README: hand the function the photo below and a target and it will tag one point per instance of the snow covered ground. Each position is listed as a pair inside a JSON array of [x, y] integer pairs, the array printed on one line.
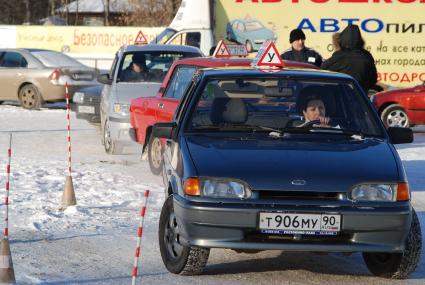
[[94, 242]]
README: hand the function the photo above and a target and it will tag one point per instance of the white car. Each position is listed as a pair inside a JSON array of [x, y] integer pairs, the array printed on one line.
[[122, 85]]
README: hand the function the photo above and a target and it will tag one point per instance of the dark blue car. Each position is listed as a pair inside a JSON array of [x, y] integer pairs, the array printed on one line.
[[296, 160]]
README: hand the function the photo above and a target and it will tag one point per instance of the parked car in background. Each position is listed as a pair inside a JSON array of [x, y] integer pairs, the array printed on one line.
[[249, 166], [119, 88], [146, 111], [34, 76], [401, 107], [86, 103], [249, 32]]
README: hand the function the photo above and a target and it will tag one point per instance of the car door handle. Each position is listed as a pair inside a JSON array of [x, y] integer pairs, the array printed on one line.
[[161, 105]]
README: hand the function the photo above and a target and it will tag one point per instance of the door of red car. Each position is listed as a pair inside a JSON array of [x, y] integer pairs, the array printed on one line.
[[168, 103], [419, 104]]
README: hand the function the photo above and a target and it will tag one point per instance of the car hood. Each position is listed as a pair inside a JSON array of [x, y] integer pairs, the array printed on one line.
[[267, 164], [129, 91]]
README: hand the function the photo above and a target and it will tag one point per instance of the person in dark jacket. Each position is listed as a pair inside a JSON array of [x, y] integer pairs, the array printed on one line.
[[353, 59], [299, 52]]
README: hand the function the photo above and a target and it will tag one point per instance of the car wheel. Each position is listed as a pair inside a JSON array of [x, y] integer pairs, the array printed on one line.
[[249, 46], [177, 258], [395, 116], [155, 155], [111, 146], [398, 265], [30, 97]]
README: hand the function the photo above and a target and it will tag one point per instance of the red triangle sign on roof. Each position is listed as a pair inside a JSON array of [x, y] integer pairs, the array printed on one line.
[[140, 39], [270, 57], [221, 50]]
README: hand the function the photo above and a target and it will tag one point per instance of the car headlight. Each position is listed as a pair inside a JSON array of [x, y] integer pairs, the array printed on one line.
[[380, 192], [122, 109], [217, 188], [78, 97]]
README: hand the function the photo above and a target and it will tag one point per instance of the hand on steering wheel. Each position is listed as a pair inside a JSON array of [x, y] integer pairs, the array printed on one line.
[[322, 122]]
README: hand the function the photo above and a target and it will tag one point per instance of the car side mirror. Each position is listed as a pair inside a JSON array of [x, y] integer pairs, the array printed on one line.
[[104, 79], [164, 130], [400, 135]]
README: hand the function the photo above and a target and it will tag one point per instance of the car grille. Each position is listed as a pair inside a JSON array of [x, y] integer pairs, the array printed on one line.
[[91, 99], [274, 238], [293, 195]]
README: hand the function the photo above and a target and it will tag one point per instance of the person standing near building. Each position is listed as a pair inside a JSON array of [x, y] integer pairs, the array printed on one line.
[[299, 52], [353, 59]]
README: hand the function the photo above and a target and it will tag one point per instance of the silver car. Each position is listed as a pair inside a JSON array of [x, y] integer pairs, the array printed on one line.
[[33, 76], [137, 71]]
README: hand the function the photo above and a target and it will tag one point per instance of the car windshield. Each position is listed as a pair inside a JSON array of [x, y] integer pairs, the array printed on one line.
[[282, 106], [164, 36], [56, 59], [148, 66], [252, 26]]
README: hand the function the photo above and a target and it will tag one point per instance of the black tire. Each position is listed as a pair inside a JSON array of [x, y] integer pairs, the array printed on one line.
[[249, 47], [155, 155], [177, 258], [111, 146], [29, 97], [395, 116], [398, 265]]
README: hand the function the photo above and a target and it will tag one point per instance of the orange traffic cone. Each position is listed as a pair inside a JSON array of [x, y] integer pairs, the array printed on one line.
[[7, 275], [68, 198]]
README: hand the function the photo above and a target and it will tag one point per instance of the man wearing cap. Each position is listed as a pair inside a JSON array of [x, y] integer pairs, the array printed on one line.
[[299, 52], [137, 70]]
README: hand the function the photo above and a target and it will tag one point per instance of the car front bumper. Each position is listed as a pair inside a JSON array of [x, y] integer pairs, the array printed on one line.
[[235, 226], [120, 130]]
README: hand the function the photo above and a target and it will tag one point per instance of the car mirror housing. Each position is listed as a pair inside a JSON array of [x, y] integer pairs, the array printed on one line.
[[164, 130], [400, 135], [104, 79]]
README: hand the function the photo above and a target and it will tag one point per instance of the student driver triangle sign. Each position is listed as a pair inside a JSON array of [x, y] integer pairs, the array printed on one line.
[[140, 39], [221, 50], [270, 57]]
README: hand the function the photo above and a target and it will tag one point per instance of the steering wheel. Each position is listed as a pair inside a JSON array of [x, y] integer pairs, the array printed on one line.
[[311, 123]]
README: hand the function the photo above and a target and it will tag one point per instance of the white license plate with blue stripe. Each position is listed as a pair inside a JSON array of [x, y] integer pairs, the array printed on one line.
[[293, 223]]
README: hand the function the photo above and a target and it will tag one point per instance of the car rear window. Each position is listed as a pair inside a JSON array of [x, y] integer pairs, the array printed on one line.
[[56, 59]]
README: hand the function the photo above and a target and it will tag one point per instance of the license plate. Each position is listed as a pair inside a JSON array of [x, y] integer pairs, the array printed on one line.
[[292, 223], [86, 109]]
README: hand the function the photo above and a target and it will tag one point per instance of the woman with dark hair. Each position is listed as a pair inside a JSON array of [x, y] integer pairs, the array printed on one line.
[[353, 59], [313, 108]]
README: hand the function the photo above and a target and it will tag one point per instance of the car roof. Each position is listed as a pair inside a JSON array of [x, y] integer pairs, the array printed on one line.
[[156, 47], [286, 71]]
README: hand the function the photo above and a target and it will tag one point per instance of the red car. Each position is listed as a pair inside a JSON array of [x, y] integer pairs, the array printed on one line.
[[146, 111], [401, 107]]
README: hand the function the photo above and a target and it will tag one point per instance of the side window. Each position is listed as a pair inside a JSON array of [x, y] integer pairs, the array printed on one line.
[[179, 39], [113, 67], [193, 39], [181, 79], [13, 60]]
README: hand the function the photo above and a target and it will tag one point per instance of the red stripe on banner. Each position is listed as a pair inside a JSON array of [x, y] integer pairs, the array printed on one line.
[[7, 185], [8, 168], [140, 232], [134, 271], [6, 231], [137, 251], [147, 193], [143, 211]]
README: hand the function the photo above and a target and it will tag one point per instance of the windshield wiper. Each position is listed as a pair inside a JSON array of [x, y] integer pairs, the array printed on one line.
[[355, 134]]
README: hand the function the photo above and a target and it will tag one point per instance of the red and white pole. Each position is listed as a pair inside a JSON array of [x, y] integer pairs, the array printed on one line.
[[68, 198], [139, 237], [9, 153], [69, 128]]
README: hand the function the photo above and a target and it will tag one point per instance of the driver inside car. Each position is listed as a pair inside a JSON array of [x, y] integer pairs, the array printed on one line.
[[313, 109]]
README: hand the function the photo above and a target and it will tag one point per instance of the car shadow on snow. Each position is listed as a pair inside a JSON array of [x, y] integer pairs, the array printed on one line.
[[415, 170]]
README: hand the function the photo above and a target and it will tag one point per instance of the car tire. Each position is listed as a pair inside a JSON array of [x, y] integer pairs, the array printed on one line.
[[398, 265], [29, 97], [111, 146], [177, 258], [155, 155], [249, 47], [395, 116]]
